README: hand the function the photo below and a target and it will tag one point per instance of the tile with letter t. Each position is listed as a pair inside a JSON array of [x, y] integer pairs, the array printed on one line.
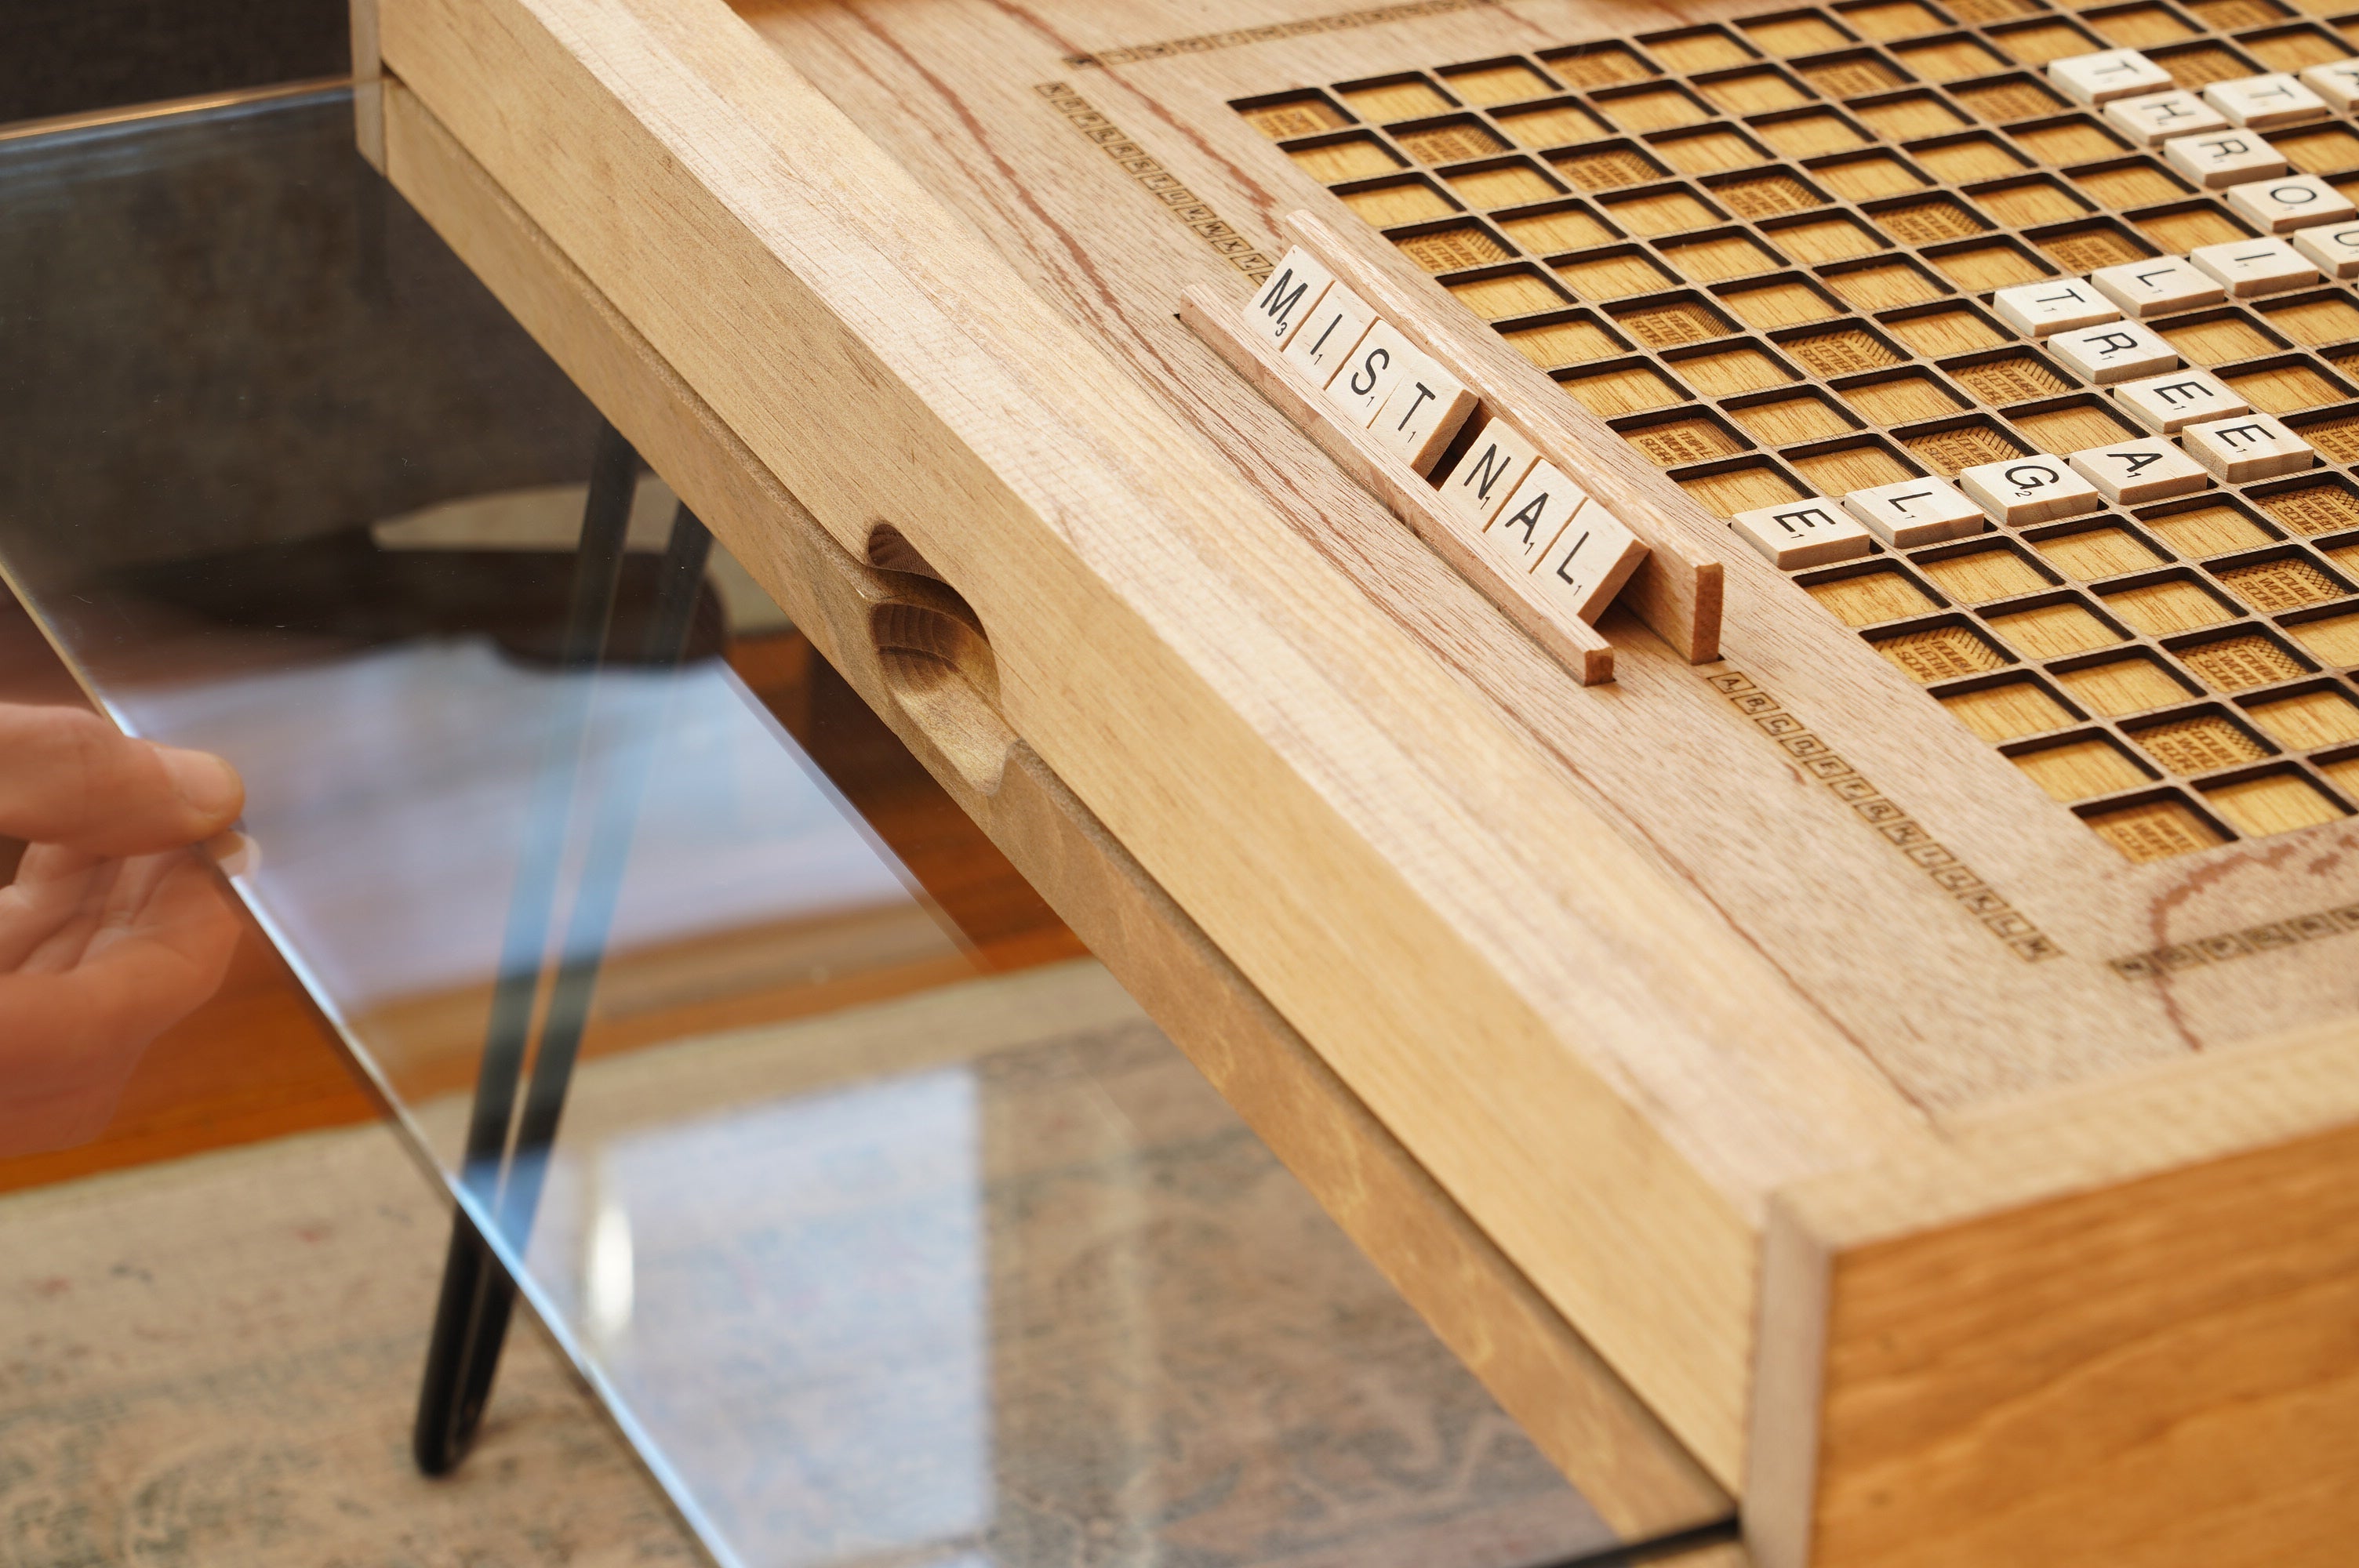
[[2290, 201], [1590, 561], [2158, 287], [1810, 533], [1368, 377], [1326, 340], [2129, 473], [1491, 469], [2118, 351], [2029, 489], [2337, 82], [1913, 512], [2255, 266], [2035, 309], [2250, 445], [2266, 103], [1534, 516], [2221, 158], [1427, 405], [2099, 78], [2333, 246], [2156, 117], [1289, 299], [2166, 403]]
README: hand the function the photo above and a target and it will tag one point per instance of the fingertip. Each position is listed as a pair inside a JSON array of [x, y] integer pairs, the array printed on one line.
[[206, 785]]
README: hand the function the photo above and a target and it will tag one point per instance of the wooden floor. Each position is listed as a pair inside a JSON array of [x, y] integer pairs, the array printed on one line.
[[257, 1061]]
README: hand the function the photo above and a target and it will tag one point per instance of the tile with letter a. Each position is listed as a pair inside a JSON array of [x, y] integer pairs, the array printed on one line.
[[2154, 118], [2266, 103], [1427, 405], [1590, 561], [1335, 327], [2129, 473], [1367, 378], [1810, 533], [2333, 246], [2029, 489], [2255, 266], [2101, 78], [1289, 299], [2035, 309], [2158, 287], [1490, 471], [2336, 81], [2221, 158], [2164, 404], [2291, 202], [1915, 512], [2250, 445], [2118, 351], [1534, 516]]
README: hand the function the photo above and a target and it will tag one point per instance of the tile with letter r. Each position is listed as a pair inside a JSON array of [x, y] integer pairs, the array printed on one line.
[[2116, 350]]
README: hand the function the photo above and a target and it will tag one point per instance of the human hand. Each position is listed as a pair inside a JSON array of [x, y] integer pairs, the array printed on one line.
[[116, 928]]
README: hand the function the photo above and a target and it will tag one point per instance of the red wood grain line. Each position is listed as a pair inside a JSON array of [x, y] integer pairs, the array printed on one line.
[[1184, 205], [1334, 22]]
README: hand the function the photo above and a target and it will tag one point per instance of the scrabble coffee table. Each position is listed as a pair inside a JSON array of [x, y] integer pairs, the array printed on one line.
[[1885, 988]]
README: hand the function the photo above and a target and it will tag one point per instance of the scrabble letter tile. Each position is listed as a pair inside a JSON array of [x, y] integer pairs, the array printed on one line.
[[2154, 118], [1366, 379], [2029, 489], [2290, 201], [2114, 351], [1589, 562], [2337, 82], [2222, 158], [2106, 75], [2165, 404], [2128, 473], [1914, 511], [2255, 266], [1534, 516], [2333, 246], [2250, 445], [1802, 533], [1288, 298], [1427, 405], [1487, 472], [2265, 102], [2158, 286], [2035, 309], [1327, 338]]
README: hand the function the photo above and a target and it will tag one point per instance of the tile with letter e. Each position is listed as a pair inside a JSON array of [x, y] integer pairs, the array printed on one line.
[[2118, 351], [1287, 300], [2266, 103], [2333, 246], [2255, 266], [2336, 81], [2029, 489], [2250, 445], [2101, 78], [1427, 405], [2164, 404], [2290, 201], [2158, 287], [1534, 515], [1487, 472], [1368, 377], [2128, 473], [2153, 118], [1914, 511], [1590, 561], [2218, 159], [1334, 328], [2035, 309], [1812, 533]]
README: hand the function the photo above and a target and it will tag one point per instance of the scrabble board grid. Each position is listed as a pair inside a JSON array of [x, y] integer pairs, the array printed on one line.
[[1766, 253]]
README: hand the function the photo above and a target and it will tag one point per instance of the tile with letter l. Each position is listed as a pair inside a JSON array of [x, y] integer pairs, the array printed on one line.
[[1367, 378], [2154, 118], [1289, 299], [1809, 533], [2035, 309], [2148, 469], [1913, 512], [2158, 287], [1328, 337], [2267, 103], [1590, 561], [2221, 158], [1490, 471], [2248, 447], [2333, 246], [2291, 202], [1427, 406], [2164, 404], [2099, 78], [2029, 489], [2116, 350], [2255, 266], [1534, 515]]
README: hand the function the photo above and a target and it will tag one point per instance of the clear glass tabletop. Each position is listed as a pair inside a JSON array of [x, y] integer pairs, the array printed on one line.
[[885, 1224]]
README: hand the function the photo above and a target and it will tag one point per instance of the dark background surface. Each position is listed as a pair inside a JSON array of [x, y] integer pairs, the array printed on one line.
[[97, 54]]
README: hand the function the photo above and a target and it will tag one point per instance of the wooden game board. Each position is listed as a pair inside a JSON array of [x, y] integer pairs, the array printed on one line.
[[1963, 1185]]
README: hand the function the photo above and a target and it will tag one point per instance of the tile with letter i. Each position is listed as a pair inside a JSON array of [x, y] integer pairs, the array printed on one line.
[[2165, 404], [1914, 511], [2035, 309], [2266, 103], [2160, 287], [2029, 489], [1812, 533], [2290, 201], [1533, 517], [2130, 472], [2099, 78], [2118, 351], [2222, 158], [2255, 266], [1366, 379], [1589, 562], [1289, 299], [1491, 469], [2334, 247], [2156, 117], [1334, 328], [2248, 446]]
